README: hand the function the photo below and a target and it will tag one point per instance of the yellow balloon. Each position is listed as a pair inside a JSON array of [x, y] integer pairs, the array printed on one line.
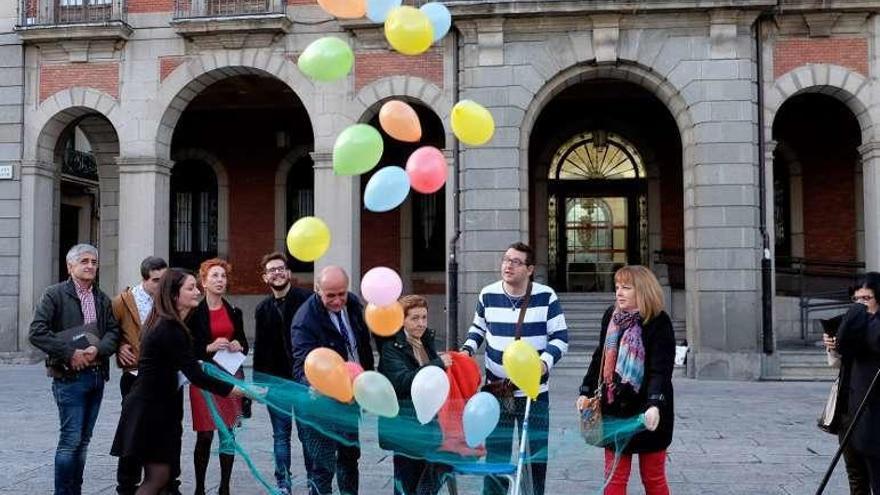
[[523, 367], [409, 30], [472, 124], [308, 238]]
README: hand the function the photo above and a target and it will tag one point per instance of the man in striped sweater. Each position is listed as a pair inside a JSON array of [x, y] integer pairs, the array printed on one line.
[[543, 327]]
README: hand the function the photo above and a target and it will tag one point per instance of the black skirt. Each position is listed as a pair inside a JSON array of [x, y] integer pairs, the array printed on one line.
[[149, 431]]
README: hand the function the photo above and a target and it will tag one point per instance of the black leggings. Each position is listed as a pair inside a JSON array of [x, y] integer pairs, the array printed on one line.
[[202, 455], [155, 478]]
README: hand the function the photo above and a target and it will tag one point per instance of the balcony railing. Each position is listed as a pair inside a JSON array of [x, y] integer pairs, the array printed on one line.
[[66, 12], [185, 9]]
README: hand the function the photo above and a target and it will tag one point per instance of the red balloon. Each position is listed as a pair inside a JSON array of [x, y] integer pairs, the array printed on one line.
[[426, 168]]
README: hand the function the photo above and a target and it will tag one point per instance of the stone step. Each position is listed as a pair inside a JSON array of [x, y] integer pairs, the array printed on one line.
[[807, 364]]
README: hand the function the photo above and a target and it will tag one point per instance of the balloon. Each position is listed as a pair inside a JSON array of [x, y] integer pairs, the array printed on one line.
[[377, 10], [384, 321], [326, 372], [308, 238], [400, 121], [523, 367], [430, 387], [386, 189], [471, 123], [345, 9], [409, 30], [381, 286], [441, 19], [480, 417], [326, 59], [353, 369], [375, 394], [426, 168], [357, 150]]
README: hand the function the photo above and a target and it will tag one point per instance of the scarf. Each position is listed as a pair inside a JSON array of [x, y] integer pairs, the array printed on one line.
[[418, 348], [624, 352]]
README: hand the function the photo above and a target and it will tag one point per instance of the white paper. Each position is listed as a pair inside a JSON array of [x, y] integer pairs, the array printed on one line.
[[229, 361], [680, 354], [181, 379]]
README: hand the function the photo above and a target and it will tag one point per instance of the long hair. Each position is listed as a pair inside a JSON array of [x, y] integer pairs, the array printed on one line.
[[649, 295], [165, 304]]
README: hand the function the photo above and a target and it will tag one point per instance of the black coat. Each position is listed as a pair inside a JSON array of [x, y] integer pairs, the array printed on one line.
[[199, 323], [312, 328], [272, 350], [858, 340], [658, 339]]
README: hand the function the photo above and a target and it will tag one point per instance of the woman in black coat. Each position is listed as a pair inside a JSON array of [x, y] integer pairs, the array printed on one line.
[[149, 426], [634, 363], [401, 358], [858, 342]]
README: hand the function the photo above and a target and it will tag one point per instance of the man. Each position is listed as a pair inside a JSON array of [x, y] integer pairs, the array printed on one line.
[[495, 321], [74, 325], [330, 318], [272, 350], [131, 309]]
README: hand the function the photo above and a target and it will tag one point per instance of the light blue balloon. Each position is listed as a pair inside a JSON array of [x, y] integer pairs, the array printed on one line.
[[480, 417], [377, 10], [386, 189], [441, 19]]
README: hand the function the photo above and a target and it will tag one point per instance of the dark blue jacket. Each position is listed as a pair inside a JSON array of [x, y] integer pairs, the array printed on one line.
[[312, 328]]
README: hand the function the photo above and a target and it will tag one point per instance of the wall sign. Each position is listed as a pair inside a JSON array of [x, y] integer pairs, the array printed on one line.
[[5, 172]]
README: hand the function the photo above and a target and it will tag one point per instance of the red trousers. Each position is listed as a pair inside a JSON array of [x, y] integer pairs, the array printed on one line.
[[652, 467]]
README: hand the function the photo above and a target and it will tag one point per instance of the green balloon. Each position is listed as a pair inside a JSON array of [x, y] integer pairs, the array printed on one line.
[[357, 150], [327, 59]]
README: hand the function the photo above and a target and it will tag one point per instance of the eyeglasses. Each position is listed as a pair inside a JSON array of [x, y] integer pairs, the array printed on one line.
[[276, 269], [513, 262], [862, 298]]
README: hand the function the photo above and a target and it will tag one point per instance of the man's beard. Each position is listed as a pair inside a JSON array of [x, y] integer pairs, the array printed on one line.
[[279, 287]]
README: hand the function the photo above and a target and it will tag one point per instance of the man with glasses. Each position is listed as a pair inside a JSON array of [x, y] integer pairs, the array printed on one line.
[[272, 350], [330, 318], [543, 326]]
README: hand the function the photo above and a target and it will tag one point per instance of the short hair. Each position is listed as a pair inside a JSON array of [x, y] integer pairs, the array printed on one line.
[[526, 249], [206, 266], [319, 280], [412, 301], [871, 281], [151, 264], [275, 255], [649, 294], [74, 254]]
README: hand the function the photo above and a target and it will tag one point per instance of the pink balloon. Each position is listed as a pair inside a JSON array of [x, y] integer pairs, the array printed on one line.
[[381, 286], [426, 168], [353, 369]]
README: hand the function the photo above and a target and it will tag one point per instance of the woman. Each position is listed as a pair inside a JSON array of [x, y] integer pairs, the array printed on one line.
[[636, 353], [858, 342], [149, 425], [401, 358], [216, 325]]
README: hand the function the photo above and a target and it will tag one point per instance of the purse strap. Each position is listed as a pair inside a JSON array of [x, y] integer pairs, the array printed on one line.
[[522, 312], [602, 362]]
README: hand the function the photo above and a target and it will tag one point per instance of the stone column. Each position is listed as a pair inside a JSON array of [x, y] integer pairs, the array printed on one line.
[[144, 199], [337, 203], [871, 181]]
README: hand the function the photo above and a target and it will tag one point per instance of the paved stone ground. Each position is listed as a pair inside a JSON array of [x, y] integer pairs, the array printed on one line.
[[730, 438]]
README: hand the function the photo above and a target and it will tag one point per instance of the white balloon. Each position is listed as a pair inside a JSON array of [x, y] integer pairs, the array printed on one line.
[[429, 391], [375, 394]]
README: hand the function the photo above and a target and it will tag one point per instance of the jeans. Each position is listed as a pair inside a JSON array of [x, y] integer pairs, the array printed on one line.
[[328, 457], [79, 400], [498, 445], [652, 468], [282, 426]]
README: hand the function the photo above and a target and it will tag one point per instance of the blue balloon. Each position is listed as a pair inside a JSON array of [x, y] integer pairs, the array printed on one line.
[[441, 19], [377, 10], [386, 189], [480, 417]]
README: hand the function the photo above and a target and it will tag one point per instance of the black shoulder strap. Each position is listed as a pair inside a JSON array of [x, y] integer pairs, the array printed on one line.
[[522, 311]]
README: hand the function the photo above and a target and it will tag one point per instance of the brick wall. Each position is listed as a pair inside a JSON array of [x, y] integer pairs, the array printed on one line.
[[380, 239], [168, 64], [829, 208], [849, 52], [103, 76], [371, 66], [144, 6]]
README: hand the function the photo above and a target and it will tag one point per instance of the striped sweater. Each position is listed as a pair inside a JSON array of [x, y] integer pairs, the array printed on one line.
[[495, 323]]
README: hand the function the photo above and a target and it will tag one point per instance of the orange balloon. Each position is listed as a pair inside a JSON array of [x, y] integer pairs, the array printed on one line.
[[400, 121], [384, 321], [345, 9], [326, 371]]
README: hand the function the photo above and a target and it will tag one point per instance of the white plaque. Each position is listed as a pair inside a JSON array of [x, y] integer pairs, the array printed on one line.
[[5, 172]]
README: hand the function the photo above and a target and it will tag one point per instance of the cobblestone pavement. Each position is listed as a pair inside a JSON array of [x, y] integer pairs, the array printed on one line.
[[730, 438]]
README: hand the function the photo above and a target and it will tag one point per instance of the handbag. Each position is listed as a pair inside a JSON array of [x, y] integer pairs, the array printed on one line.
[[591, 427], [829, 420], [503, 389]]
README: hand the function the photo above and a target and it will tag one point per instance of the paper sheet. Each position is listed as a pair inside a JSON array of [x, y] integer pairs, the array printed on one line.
[[181, 379], [229, 361]]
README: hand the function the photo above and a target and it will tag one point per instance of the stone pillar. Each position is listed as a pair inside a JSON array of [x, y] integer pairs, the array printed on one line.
[[871, 181], [144, 199], [38, 218], [337, 203]]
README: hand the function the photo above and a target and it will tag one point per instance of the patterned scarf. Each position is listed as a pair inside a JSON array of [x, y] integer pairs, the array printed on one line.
[[624, 352], [418, 348]]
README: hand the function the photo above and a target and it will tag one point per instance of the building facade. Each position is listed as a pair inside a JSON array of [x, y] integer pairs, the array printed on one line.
[[731, 146]]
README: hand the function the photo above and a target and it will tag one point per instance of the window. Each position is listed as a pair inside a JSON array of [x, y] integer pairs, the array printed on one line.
[[428, 228], [193, 214], [597, 155], [300, 202]]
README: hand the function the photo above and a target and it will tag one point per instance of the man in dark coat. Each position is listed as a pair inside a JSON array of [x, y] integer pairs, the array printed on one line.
[[333, 319], [272, 350]]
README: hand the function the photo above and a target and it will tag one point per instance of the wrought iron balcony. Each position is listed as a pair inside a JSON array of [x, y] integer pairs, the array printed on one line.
[[186, 9], [54, 20], [79, 164], [231, 23]]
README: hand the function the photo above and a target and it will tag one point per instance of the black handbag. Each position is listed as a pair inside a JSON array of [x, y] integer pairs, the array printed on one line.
[[503, 389]]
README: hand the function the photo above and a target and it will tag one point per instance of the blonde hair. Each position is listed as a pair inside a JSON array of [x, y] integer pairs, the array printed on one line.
[[649, 295]]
